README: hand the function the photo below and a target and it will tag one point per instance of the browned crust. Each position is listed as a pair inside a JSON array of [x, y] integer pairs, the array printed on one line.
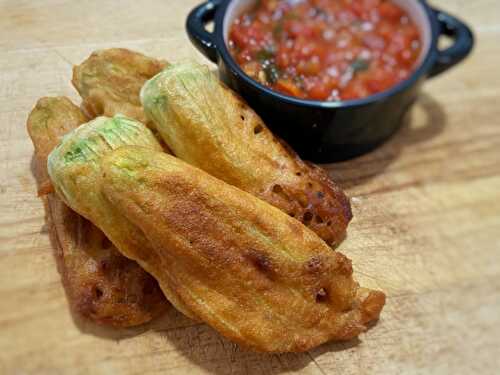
[[301, 189], [211, 127], [311, 196], [101, 284], [317, 201], [253, 273], [110, 80]]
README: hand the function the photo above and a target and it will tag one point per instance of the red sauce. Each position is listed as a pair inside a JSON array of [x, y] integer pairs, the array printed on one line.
[[326, 49]]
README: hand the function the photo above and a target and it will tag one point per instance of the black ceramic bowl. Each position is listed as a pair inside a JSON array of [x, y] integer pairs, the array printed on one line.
[[331, 131]]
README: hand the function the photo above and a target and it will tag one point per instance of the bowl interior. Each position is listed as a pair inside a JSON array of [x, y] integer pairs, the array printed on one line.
[[414, 9], [419, 17]]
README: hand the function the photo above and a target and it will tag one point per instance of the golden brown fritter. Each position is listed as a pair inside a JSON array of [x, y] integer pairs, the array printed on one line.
[[109, 82], [209, 126], [74, 168], [102, 285], [256, 275]]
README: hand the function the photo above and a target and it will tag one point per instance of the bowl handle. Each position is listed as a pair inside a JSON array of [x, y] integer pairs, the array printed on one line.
[[463, 41], [198, 34]]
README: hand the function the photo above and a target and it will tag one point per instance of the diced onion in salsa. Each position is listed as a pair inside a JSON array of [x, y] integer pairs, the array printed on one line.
[[326, 50]]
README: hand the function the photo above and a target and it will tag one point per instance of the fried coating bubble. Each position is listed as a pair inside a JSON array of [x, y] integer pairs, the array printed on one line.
[[209, 126], [74, 168], [257, 276], [109, 82], [101, 284]]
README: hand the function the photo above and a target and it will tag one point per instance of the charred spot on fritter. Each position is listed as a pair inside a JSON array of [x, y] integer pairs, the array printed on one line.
[[150, 286], [106, 243], [104, 265], [322, 295], [261, 262], [314, 265], [98, 293], [308, 216], [88, 301]]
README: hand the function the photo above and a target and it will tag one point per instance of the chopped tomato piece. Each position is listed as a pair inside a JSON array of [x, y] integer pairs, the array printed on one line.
[[288, 87], [319, 92]]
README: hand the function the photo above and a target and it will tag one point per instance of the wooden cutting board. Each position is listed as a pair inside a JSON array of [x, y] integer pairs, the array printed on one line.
[[426, 206]]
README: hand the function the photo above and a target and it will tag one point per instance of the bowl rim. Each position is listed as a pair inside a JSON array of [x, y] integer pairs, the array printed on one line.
[[424, 67]]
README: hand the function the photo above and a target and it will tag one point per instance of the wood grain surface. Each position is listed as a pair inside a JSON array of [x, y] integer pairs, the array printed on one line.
[[426, 206]]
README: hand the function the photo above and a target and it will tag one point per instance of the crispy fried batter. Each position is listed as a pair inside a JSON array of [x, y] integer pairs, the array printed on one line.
[[109, 82], [102, 285], [207, 125], [246, 268], [74, 167]]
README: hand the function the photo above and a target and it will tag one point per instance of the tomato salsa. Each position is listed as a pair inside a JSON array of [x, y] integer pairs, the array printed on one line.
[[326, 49]]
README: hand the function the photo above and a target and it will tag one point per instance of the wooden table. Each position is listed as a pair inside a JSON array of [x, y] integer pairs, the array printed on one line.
[[426, 205]]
